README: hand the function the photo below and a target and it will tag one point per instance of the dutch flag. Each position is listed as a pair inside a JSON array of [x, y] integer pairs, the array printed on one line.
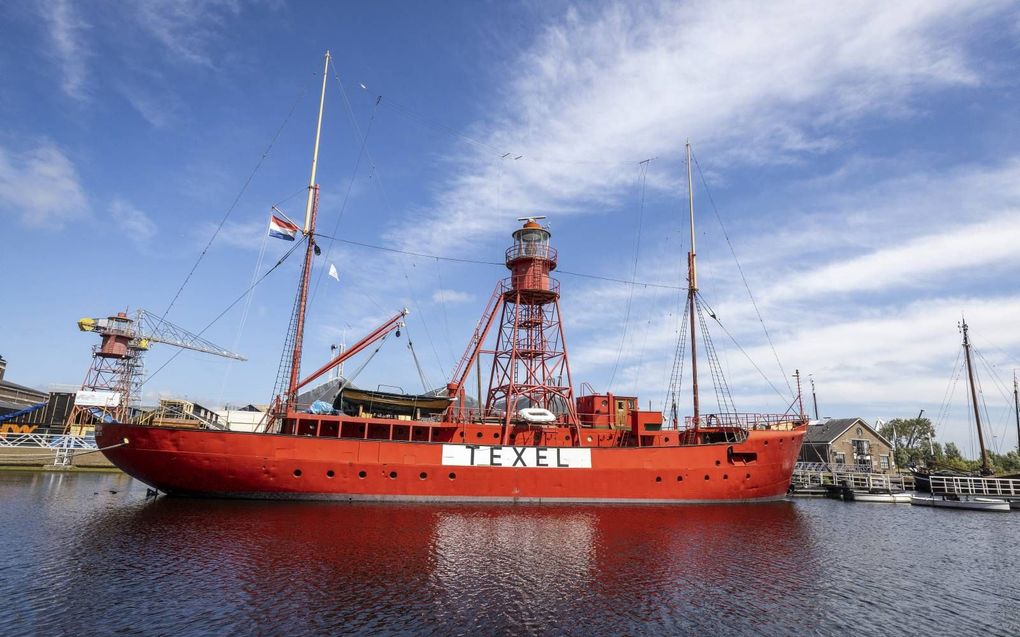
[[281, 228]]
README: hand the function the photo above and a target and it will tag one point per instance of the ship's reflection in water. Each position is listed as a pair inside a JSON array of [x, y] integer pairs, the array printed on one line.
[[91, 561], [323, 568]]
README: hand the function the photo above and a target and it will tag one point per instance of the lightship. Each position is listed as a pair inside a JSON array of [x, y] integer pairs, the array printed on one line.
[[528, 439]]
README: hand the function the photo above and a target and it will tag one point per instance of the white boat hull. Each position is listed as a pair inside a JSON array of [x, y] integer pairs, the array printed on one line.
[[888, 498], [973, 504]]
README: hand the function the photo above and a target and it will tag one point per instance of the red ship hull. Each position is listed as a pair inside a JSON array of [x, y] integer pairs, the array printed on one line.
[[199, 462]]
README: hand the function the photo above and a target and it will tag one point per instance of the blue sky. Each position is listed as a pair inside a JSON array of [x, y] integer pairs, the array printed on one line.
[[864, 159]]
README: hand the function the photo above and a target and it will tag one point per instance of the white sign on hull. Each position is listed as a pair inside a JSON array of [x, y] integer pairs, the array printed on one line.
[[522, 457]]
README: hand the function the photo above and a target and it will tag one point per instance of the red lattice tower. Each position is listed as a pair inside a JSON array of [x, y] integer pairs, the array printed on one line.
[[115, 370], [529, 367]]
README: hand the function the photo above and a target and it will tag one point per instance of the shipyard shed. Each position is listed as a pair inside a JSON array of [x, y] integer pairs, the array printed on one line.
[[15, 397]]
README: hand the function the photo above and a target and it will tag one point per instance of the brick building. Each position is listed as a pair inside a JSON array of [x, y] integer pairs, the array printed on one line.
[[847, 441]]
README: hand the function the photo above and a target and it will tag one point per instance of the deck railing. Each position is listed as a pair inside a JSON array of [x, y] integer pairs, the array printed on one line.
[[975, 486], [48, 441]]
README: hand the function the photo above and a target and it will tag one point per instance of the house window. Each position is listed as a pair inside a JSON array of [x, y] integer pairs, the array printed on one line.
[[860, 432], [840, 458], [883, 462], [861, 447]]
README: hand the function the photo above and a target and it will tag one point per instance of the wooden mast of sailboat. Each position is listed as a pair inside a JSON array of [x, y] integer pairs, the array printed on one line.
[[692, 291], [1016, 409], [311, 210], [985, 467]]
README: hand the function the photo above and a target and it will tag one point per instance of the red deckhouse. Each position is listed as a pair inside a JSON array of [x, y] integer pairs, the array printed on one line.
[[528, 440]]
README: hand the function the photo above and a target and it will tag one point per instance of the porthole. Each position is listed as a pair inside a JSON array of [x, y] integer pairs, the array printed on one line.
[[330, 473], [393, 474], [297, 473], [362, 474], [589, 438], [706, 476], [453, 476], [725, 476], [666, 439], [717, 463], [462, 434], [766, 443], [422, 475], [479, 434], [495, 435], [747, 477], [679, 478], [658, 478]]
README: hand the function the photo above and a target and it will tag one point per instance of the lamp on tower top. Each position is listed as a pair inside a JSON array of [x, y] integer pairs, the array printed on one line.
[[530, 260]]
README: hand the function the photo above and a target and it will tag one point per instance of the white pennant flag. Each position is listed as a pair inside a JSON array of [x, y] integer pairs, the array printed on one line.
[[333, 273]]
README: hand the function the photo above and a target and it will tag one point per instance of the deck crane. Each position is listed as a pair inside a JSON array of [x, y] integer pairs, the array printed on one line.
[[113, 378]]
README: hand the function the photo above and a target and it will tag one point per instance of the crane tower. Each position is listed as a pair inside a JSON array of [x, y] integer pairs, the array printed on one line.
[[112, 380]]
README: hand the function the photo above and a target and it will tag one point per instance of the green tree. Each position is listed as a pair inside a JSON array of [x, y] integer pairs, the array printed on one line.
[[913, 440]]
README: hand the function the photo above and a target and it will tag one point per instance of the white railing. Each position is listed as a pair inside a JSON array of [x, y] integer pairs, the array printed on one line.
[[975, 486], [820, 474], [833, 468], [48, 441]]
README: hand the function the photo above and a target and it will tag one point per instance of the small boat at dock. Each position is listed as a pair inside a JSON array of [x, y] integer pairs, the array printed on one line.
[[877, 495], [970, 504]]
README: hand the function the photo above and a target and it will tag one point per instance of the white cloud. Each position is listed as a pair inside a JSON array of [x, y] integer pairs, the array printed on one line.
[[451, 296], [41, 187], [248, 235], [918, 261], [159, 108], [752, 82], [186, 28], [66, 30], [135, 224]]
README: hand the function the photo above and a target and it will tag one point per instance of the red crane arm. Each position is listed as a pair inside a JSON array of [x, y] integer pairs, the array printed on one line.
[[379, 332]]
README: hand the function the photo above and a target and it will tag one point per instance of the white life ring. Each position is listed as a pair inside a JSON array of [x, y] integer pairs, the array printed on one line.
[[537, 414]]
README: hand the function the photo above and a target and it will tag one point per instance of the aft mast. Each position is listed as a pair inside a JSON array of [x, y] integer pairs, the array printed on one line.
[[1016, 408], [311, 210], [985, 467], [692, 291]]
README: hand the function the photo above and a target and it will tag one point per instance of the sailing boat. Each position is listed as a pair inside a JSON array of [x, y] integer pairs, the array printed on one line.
[[530, 439], [954, 500]]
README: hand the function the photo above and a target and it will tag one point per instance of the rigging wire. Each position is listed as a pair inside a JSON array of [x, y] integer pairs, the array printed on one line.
[[374, 170], [947, 396], [722, 389], [743, 278], [500, 264], [1004, 392], [225, 310], [417, 308], [421, 372], [236, 200], [744, 352], [637, 253], [416, 117], [244, 313], [446, 320], [354, 175]]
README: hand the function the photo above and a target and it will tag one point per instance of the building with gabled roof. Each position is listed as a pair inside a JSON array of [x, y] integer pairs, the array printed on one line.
[[848, 441]]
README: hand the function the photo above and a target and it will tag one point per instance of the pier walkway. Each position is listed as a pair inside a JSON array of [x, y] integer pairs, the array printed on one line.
[[50, 450], [812, 478]]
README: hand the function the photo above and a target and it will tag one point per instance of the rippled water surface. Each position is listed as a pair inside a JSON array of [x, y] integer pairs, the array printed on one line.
[[87, 554]]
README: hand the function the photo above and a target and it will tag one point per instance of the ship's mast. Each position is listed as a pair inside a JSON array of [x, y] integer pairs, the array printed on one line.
[[311, 210], [692, 291], [1016, 408], [985, 468]]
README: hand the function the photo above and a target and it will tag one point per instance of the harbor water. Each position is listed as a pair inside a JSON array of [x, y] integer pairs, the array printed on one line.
[[89, 554]]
